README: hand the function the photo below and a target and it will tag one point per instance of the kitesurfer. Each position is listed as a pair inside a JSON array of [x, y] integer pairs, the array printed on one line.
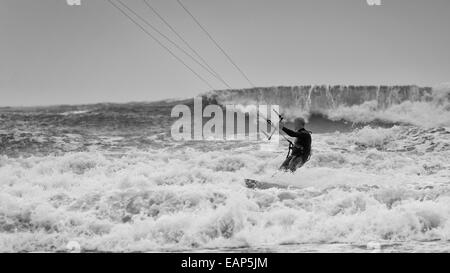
[[300, 149]]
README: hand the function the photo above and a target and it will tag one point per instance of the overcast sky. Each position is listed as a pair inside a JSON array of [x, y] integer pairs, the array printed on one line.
[[52, 53]]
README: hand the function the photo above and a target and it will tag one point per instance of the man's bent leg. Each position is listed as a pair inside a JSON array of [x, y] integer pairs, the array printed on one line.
[[285, 165], [295, 163]]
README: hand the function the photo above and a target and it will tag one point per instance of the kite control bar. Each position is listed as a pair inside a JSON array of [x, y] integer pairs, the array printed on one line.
[[275, 128], [279, 115]]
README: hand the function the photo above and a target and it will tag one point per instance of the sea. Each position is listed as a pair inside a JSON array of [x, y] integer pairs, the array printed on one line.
[[110, 177]]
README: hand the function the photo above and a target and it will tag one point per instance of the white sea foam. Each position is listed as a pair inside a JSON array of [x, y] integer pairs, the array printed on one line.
[[370, 185], [77, 112], [426, 114]]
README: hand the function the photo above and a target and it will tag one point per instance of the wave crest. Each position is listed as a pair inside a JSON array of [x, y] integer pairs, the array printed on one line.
[[421, 106]]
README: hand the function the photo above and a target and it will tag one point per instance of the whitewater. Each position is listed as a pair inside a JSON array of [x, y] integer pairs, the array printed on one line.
[[111, 178]]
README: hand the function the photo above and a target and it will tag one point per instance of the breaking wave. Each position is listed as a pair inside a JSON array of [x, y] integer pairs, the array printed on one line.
[[421, 106]]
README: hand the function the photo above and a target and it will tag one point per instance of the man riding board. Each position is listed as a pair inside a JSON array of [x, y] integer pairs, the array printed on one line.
[[300, 149]]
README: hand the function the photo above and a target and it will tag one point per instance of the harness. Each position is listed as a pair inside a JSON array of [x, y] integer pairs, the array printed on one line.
[[291, 146]]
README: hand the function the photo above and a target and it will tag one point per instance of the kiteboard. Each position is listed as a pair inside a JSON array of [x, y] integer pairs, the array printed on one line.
[[255, 184]]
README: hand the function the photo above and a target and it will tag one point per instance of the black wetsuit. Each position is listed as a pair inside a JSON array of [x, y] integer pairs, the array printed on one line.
[[300, 151]]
